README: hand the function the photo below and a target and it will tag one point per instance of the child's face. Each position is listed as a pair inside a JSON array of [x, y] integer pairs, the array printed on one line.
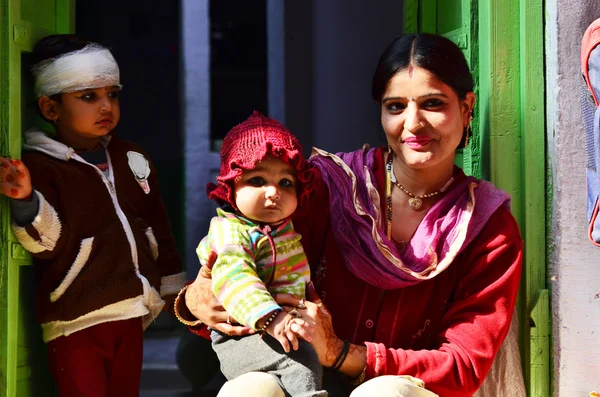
[[267, 193], [90, 113]]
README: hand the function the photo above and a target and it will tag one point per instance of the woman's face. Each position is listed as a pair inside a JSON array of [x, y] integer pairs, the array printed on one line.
[[423, 118]]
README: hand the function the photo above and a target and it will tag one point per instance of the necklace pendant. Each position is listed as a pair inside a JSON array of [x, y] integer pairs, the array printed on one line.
[[415, 203]]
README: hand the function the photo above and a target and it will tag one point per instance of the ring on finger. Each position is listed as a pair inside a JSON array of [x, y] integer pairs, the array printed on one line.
[[301, 305], [229, 319], [206, 269], [295, 313]]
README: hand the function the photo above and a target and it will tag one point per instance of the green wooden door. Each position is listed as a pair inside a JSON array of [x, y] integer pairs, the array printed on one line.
[[451, 18], [503, 43], [23, 364]]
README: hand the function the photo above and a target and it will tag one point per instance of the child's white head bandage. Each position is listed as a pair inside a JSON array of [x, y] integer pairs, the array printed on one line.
[[91, 67]]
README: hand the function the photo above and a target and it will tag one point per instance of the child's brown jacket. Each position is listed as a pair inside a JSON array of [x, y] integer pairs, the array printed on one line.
[[103, 247]]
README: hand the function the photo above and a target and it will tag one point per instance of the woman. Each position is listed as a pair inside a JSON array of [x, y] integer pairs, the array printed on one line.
[[417, 265]]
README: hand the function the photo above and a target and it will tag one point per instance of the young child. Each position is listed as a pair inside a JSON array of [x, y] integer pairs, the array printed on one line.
[[86, 205], [263, 179]]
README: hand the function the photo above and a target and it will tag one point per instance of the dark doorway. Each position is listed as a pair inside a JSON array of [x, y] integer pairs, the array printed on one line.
[[238, 63], [144, 38]]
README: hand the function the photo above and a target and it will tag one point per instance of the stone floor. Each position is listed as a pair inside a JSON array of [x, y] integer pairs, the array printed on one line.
[[160, 376]]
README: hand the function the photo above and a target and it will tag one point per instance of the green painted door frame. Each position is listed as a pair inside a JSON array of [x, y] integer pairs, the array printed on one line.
[[503, 42], [23, 368]]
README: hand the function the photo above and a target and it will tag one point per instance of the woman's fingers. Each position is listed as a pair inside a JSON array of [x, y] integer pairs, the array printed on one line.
[[206, 269], [286, 300], [201, 302], [303, 329], [233, 330], [205, 272]]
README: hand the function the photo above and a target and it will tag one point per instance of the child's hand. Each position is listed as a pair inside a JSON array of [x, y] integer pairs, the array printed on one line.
[[15, 181], [286, 329]]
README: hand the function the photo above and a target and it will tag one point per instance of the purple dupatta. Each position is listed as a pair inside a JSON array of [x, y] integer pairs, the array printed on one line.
[[358, 225]]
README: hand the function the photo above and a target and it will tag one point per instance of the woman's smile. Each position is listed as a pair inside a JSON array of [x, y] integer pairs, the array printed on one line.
[[417, 142]]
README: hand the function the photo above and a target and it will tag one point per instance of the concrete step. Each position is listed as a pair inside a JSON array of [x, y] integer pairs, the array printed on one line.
[[160, 375]]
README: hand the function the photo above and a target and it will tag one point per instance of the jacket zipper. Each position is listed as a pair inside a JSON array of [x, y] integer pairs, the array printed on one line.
[[109, 183]]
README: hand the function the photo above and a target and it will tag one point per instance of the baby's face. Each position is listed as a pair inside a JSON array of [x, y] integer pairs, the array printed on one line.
[[267, 193]]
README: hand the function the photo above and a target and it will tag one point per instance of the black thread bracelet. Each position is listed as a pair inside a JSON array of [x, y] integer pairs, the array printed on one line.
[[342, 356]]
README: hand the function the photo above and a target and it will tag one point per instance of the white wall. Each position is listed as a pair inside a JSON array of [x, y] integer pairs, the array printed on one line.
[[199, 160], [574, 261]]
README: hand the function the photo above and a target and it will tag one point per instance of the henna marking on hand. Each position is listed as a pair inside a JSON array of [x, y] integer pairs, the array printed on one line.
[[357, 349], [334, 345]]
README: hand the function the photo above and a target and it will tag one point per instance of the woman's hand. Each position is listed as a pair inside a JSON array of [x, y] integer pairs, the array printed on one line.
[[203, 304], [324, 339], [287, 328], [15, 181]]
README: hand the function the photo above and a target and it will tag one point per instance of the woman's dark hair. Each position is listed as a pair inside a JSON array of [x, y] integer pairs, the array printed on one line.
[[431, 52], [434, 53]]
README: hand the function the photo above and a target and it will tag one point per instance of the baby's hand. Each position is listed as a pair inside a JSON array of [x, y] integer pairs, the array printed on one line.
[[15, 181], [286, 329]]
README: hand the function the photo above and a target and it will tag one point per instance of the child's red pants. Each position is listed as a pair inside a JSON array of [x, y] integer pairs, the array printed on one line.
[[100, 361]]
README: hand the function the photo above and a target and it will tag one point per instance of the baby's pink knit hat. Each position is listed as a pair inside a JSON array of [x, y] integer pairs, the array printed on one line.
[[249, 143]]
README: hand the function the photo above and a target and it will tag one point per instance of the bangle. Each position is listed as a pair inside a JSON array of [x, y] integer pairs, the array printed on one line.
[[342, 356], [181, 298], [274, 314], [360, 379]]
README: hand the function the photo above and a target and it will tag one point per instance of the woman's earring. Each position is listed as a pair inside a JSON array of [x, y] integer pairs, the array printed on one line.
[[468, 130]]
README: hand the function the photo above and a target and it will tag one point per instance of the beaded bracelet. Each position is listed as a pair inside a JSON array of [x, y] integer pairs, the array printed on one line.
[[342, 356], [270, 320]]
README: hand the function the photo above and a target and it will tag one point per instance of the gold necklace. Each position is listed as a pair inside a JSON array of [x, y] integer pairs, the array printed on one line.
[[414, 202]]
